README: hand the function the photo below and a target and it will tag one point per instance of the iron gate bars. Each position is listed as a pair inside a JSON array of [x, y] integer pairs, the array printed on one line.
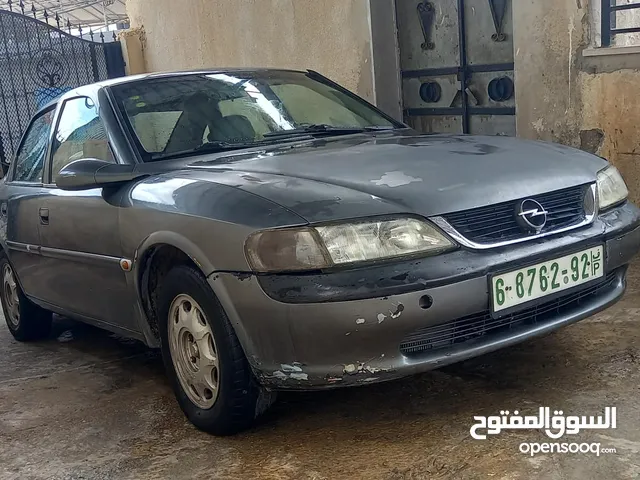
[[40, 61], [501, 88], [609, 11]]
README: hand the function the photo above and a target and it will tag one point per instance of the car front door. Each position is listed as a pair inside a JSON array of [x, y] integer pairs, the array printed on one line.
[[21, 195], [79, 231]]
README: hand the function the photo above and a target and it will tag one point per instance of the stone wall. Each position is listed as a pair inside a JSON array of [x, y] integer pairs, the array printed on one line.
[[330, 36], [571, 93]]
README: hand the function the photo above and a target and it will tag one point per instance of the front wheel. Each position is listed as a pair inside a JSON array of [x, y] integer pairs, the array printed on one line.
[[206, 365], [26, 320]]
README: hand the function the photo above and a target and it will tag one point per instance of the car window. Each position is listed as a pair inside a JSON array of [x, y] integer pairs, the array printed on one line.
[[307, 105], [30, 157], [155, 128], [243, 113], [241, 108], [80, 134]]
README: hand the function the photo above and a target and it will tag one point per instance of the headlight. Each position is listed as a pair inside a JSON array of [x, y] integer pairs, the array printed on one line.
[[611, 187], [313, 248]]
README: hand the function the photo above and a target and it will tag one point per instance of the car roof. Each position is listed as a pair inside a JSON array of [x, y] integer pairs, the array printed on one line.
[[147, 76], [94, 87]]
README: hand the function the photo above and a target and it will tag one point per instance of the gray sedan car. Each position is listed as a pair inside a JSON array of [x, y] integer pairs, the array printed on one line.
[[270, 230]]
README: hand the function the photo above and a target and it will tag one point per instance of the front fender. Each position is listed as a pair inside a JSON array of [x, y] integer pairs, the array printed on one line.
[[206, 221], [178, 241]]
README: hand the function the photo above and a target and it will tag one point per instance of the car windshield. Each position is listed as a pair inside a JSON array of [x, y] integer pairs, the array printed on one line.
[[187, 114]]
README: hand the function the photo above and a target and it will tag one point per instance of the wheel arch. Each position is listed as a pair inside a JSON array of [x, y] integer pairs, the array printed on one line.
[[158, 253]]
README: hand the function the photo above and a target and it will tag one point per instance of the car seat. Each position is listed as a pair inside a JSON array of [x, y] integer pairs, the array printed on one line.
[[232, 129]]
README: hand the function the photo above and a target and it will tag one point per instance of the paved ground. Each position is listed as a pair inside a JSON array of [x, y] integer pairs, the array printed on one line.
[[87, 405]]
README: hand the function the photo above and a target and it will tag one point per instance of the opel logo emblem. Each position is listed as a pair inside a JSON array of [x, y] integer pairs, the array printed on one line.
[[531, 216]]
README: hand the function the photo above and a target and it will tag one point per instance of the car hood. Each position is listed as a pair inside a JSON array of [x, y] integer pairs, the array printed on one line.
[[428, 175]]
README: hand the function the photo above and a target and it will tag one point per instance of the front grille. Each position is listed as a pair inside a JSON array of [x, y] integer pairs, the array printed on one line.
[[483, 324], [497, 223]]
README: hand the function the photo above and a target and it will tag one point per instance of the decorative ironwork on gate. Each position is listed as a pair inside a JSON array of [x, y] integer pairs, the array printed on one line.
[[465, 103], [39, 61]]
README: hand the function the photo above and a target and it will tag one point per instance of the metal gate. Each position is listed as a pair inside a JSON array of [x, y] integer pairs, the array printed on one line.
[[457, 65], [39, 62]]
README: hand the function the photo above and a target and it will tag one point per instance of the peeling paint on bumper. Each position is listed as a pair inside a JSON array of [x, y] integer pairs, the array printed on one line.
[[331, 344]]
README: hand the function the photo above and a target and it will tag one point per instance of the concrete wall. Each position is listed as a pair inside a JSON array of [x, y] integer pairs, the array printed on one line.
[[330, 36], [547, 39], [568, 92], [612, 112], [132, 42]]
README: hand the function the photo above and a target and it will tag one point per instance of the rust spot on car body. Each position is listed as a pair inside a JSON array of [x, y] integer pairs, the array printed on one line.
[[361, 368], [398, 312], [242, 276]]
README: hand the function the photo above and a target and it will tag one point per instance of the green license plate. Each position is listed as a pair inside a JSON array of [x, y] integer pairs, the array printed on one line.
[[537, 281]]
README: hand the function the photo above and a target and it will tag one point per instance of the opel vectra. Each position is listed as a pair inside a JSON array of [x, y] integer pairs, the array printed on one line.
[[270, 230]]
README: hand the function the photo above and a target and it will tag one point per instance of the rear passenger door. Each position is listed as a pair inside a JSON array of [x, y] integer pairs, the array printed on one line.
[[20, 197], [79, 231]]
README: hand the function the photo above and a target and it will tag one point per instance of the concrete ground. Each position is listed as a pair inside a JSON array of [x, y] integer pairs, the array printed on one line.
[[88, 405]]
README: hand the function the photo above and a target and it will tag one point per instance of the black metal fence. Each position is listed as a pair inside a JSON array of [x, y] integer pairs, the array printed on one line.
[[58, 21], [41, 59], [609, 28]]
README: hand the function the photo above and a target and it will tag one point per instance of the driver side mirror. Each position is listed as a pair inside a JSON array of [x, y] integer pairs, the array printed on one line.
[[89, 173]]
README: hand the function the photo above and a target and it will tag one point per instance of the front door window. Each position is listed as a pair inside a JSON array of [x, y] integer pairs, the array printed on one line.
[[80, 134], [30, 157]]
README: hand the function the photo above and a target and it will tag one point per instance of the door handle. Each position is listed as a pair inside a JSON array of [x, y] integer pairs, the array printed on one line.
[[44, 216]]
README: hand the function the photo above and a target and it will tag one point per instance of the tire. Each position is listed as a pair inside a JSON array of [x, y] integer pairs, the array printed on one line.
[[190, 314], [26, 320]]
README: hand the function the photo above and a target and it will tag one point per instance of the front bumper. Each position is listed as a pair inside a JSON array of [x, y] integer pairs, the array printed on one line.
[[346, 328]]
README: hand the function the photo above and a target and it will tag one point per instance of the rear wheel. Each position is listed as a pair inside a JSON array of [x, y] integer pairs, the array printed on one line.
[[26, 320], [206, 365]]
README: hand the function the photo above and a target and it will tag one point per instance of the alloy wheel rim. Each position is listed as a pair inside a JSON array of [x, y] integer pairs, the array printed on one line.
[[193, 351], [10, 296]]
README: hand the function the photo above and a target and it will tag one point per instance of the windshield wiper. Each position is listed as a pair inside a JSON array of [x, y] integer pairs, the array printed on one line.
[[308, 131], [209, 147], [323, 129]]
